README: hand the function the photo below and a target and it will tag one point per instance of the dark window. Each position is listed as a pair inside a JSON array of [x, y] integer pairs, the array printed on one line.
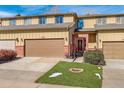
[[59, 19], [80, 24], [80, 43], [42, 20], [92, 38], [12, 22]]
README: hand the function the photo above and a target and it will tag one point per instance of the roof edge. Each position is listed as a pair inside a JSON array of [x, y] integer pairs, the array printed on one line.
[[54, 14], [99, 15]]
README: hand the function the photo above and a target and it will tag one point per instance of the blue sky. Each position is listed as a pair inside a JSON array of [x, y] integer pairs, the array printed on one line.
[[12, 10]]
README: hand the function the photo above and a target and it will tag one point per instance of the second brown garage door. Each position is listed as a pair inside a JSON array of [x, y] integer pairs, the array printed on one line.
[[44, 48], [113, 50]]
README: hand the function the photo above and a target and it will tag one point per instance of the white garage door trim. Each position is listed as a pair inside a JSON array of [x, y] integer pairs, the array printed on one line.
[[7, 44]]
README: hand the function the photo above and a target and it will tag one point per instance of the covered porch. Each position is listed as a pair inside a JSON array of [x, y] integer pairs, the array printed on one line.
[[84, 41]]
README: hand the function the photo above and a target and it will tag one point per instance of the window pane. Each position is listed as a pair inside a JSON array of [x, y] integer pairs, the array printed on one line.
[[120, 20], [27, 21], [101, 21], [59, 19], [80, 24], [12, 22], [42, 20], [92, 38]]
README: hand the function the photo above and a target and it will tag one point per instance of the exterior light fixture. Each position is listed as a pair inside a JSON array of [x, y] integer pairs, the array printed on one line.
[[66, 38], [17, 39], [21, 39]]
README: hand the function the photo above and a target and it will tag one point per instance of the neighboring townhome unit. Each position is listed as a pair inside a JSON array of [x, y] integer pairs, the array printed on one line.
[[62, 35], [44, 35], [104, 32]]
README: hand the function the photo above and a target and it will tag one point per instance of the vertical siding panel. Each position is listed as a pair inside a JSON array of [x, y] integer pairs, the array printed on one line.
[[27, 35]]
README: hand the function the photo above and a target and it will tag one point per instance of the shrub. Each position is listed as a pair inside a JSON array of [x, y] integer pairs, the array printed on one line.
[[95, 57], [6, 55]]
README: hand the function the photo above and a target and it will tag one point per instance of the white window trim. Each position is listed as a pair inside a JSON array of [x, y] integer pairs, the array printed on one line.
[[101, 21], [120, 20], [27, 21]]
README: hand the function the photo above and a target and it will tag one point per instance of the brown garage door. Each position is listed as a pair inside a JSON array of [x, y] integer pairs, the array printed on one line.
[[113, 50], [44, 48]]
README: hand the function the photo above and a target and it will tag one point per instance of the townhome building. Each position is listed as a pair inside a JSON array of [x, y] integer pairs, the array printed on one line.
[[63, 34]]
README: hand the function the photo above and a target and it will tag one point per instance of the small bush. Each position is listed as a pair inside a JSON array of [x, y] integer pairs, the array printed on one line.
[[6, 55], [95, 57]]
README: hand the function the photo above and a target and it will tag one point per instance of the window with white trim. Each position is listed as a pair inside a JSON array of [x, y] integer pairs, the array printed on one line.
[[59, 19], [12, 22], [101, 21], [27, 21], [120, 20], [42, 20]]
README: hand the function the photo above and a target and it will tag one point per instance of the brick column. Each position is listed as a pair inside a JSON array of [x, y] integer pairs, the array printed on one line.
[[66, 50], [20, 51], [86, 36]]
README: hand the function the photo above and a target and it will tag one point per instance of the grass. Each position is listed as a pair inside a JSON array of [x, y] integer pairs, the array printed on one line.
[[86, 78]]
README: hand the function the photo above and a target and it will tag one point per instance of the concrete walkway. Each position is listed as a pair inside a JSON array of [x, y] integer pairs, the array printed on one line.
[[19, 84], [113, 74], [23, 72], [78, 59]]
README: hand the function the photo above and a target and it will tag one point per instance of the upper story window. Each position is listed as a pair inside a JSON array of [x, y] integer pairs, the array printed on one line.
[[12, 22], [101, 21], [120, 20], [80, 24], [42, 20], [59, 19], [27, 21]]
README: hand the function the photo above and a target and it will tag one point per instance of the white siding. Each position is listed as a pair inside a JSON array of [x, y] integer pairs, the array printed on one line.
[[7, 44]]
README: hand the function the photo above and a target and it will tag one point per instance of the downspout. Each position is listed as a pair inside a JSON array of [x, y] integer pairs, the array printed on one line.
[[97, 40], [68, 42]]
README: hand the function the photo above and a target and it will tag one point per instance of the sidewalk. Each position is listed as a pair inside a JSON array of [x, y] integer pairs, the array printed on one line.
[[14, 84]]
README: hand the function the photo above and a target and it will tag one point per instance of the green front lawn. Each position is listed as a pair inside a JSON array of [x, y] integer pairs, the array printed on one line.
[[86, 78]]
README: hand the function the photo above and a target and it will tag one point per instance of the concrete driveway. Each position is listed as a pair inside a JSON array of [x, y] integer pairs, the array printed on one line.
[[113, 74], [23, 72]]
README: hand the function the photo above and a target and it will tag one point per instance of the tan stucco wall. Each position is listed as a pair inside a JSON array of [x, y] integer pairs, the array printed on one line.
[[115, 35], [91, 45], [40, 34], [50, 20], [68, 19], [89, 23]]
